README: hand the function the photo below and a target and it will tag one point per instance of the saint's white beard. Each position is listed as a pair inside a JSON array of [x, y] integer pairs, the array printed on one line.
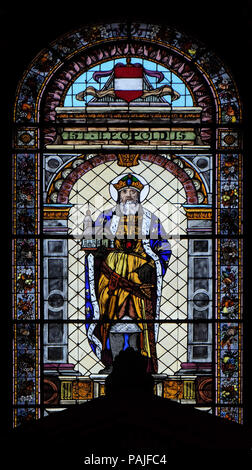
[[129, 207]]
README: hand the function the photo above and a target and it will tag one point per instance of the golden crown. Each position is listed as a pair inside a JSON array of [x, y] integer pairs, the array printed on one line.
[[129, 181]]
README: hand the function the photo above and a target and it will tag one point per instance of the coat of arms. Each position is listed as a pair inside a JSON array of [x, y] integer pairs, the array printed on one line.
[[129, 82]]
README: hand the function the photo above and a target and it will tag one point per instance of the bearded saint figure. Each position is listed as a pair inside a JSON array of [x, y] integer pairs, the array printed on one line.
[[124, 275]]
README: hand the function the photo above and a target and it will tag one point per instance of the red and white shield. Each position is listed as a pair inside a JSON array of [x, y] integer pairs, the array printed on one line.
[[128, 82]]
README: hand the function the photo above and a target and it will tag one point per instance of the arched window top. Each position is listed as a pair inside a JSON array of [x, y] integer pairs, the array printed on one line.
[[71, 147], [54, 69]]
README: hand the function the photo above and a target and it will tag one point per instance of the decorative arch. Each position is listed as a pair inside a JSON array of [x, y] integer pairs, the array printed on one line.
[[166, 45], [74, 174], [190, 75]]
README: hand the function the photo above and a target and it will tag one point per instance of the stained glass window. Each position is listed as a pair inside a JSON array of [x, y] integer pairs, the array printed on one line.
[[102, 117]]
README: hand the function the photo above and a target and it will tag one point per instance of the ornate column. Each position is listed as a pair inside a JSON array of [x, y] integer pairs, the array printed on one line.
[[55, 252], [199, 290]]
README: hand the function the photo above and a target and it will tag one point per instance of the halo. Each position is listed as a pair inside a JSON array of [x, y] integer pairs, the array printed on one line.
[[143, 193]]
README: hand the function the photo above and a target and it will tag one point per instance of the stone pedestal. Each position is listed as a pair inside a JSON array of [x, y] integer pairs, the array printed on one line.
[[187, 386], [75, 389], [159, 384], [99, 384]]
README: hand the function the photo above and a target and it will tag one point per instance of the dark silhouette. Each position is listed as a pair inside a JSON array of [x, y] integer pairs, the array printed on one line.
[[129, 420], [129, 377]]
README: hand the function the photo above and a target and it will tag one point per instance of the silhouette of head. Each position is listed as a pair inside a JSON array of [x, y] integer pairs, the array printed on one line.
[[129, 375]]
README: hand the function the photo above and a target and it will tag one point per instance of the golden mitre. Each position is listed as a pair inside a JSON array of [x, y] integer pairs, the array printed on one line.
[[129, 181]]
